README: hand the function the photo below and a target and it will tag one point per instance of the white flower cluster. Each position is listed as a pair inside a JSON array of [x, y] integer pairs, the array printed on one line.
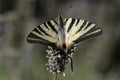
[[55, 64]]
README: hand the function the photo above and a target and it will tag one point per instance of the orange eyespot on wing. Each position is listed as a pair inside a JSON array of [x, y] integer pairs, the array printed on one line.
[[64, 45]]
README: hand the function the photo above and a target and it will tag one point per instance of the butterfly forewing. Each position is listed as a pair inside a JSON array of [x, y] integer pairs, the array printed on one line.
[[76, 30], [79, 30], [45, 33]]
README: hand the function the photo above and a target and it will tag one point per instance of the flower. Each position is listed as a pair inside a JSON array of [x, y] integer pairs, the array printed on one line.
[[55, 64]]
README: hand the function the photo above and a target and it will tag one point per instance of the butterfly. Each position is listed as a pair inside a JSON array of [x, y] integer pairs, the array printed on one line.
[[62, 36]]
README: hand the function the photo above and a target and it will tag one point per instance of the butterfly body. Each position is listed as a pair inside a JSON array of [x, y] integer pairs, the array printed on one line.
[[62, 35]]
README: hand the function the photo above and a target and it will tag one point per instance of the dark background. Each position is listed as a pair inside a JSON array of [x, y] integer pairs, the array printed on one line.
[[95, 59]]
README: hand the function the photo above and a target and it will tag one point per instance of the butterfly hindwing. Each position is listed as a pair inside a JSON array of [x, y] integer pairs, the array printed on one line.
[[45, 33]]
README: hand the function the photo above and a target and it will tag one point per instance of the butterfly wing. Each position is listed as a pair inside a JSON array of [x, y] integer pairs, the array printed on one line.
[[79, 30], [45, 33]]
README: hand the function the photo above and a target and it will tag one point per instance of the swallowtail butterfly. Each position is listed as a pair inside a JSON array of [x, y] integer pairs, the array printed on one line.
[[62, 35]]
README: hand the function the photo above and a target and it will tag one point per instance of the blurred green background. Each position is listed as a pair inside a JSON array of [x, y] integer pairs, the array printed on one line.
[[95, 59]]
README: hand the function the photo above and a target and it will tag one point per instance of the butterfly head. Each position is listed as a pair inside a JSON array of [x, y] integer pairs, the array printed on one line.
[[60, 20]]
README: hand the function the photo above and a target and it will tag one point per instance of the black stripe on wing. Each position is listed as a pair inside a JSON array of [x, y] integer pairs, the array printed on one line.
[[71, 24], [66, 19], [35, 39], [80, 27], [91, 30], [39, 27], [46, 25], [38, 31], [77, 22], [52, 27], [88, 25]]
